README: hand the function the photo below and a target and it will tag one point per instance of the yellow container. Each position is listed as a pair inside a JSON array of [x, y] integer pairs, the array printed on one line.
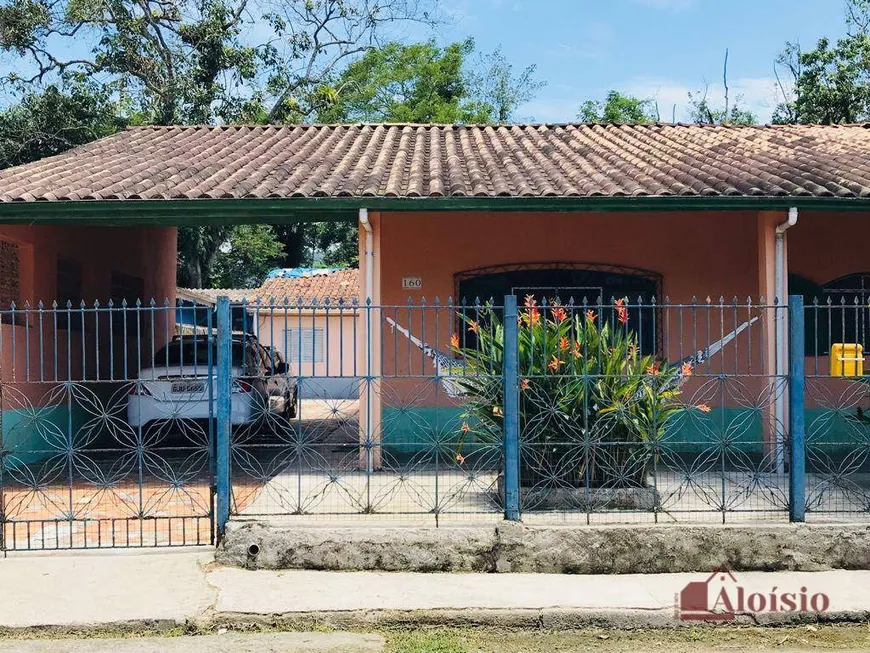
[[847, 359]]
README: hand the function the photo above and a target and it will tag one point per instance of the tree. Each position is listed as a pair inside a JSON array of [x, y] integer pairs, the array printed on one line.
[[618, 108], [829, 84], [187, 61], [48, 122], [244, 259], [702, 112], [498, 91], [419, 82]]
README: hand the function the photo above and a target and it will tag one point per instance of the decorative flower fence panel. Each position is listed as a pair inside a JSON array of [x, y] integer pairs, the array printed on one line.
[[152, 425], [83, 463]]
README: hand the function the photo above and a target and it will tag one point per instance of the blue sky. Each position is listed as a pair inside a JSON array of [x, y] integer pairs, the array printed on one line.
[[660, 48]]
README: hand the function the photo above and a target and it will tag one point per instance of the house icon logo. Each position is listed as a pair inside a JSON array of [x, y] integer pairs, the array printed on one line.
[[696, 601], [721, 598]]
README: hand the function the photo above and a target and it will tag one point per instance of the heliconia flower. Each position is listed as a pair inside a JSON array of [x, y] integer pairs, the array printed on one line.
[[524, 384], [564, 343], [578, 351], [454, 341], [687, 369], [460, 458], [555, 363], [704, 408], [465, 427], [621, 311], [473, 326], [530, 301], [653, 369], [560, 314], [590, 315], [534, 316]]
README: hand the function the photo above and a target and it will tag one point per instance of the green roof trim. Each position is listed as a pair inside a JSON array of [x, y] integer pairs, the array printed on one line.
[[307, 209]]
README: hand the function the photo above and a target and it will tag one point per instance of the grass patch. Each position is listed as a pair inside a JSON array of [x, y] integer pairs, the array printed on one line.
[[844, 637]]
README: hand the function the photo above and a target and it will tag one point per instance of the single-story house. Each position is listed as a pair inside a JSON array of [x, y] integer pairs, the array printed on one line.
[[311, 316], [451, 211]]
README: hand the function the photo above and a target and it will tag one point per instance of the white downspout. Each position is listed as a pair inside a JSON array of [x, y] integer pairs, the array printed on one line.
[[369, 254], [779, 334], [368, 300]]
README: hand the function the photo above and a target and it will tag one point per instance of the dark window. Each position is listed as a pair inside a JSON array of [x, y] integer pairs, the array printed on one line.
[[570, 282], [126, 286], [837, 311], [10, 274]]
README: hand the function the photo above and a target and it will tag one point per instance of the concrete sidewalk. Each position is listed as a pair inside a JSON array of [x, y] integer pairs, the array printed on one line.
[[161, 589]]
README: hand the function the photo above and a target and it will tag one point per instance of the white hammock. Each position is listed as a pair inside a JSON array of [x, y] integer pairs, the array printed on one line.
[[447, 367]]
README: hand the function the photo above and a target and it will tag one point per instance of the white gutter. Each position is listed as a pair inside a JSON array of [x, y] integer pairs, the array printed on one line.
[[369, 254], [779, 335]]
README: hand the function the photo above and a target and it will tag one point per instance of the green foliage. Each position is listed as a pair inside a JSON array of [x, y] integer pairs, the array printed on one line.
[[582, 381], [420, 82], [51, 121], [834, 83], [497, 90], [831, 82], [243, 261], [702, 112], [618, 108]]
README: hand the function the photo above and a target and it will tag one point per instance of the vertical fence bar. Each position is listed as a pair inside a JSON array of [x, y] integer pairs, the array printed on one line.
[[511, 411], [796, 430], [224, 371]]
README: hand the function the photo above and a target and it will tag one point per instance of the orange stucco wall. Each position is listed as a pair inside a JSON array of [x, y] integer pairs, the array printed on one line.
[[697, 255], [148, 253], [825, 246]]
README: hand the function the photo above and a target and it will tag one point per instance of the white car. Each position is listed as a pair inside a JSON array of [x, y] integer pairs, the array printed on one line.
[[176, 385]]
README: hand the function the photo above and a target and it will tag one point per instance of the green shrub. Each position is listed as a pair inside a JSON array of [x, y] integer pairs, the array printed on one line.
[[592, 406]]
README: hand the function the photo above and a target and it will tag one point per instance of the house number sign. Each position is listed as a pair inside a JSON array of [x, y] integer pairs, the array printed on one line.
[[412, 283]]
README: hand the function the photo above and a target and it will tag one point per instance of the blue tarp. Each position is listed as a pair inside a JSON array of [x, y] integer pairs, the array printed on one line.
[[298, 273]]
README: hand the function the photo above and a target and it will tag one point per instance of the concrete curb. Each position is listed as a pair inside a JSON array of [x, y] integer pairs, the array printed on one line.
[[367, 620], [515, 547]]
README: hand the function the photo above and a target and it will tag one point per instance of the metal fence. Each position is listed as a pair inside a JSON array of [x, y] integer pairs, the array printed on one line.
[[152, 425], [79, 468]]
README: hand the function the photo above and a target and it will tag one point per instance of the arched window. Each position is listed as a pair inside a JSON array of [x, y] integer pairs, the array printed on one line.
[[571, 281], [837, 311]]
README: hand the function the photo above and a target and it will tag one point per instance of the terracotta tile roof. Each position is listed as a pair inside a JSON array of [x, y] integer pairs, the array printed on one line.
[[437, 160], [338, 286], [210, 295]]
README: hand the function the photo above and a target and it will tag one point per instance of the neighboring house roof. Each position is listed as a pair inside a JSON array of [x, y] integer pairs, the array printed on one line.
[[210, 295], [341, 285], [430, 161], [311, 286]]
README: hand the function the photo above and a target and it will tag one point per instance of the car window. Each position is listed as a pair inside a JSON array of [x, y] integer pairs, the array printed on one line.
[[188, 351]]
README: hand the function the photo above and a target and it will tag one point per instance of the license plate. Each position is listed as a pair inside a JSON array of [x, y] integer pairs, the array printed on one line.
[[188, 386]]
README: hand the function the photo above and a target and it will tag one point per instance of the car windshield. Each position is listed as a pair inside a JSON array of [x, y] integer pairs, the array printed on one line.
[[190, 352]]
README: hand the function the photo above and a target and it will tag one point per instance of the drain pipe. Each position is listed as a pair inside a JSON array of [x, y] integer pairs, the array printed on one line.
[[369, 253], [779, 333]]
